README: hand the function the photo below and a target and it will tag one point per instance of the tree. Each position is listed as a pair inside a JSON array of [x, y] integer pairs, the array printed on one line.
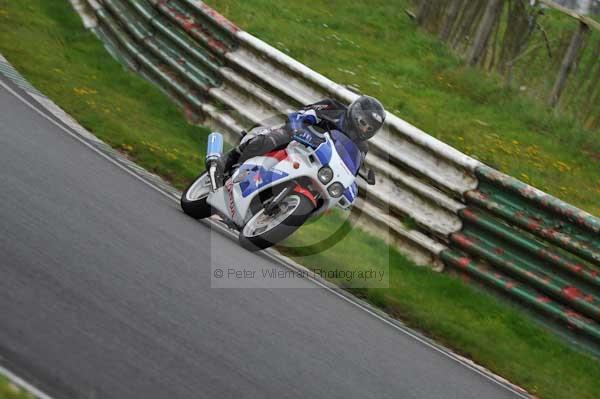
[[573, 51], [520, 26], [425, 7], [450, 18], [490, 18], [468, 17]]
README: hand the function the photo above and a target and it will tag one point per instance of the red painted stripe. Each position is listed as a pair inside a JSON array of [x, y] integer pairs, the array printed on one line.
[[218, 18], [301, 190], [280, 155], [196, 28]]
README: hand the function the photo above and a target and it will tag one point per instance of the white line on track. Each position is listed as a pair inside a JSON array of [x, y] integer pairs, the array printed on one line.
[[24, 384]]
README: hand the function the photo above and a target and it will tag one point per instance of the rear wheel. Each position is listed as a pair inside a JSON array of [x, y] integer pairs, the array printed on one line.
[[264, 230], [193, 199]]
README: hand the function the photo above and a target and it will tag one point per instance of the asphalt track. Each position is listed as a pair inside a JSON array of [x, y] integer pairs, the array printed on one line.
[[105, 293]]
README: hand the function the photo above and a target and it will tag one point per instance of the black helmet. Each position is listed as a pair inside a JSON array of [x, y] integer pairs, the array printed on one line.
[[364, 118]]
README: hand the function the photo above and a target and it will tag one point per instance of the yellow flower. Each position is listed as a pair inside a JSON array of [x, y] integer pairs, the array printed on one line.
[[561, 166], [82, 91]]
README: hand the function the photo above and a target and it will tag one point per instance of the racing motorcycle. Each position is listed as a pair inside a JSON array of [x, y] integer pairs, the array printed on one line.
[[267, 198]]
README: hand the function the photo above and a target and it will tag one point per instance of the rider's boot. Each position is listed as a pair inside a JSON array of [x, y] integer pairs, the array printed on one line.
[[229, 160]]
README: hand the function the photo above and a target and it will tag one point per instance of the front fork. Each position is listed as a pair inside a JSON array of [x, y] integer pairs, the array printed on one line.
[[215, 175]]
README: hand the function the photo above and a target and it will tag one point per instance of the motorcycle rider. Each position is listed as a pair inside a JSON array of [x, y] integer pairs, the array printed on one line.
[[360, 121]]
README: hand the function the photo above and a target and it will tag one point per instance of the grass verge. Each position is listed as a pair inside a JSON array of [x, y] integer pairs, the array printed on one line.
[[64, 62], [375, 47], [46, 42], [8, 390]]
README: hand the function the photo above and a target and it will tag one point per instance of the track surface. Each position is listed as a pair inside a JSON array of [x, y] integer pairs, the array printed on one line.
[[105, 293]]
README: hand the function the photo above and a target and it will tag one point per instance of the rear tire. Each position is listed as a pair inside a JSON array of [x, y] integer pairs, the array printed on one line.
[[253, 239], [193, 199]]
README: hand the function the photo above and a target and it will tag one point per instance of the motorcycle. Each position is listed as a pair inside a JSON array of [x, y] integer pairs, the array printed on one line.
[[267, 198]]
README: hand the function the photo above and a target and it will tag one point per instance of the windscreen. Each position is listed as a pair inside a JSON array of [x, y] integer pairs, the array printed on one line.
[[347, 150]]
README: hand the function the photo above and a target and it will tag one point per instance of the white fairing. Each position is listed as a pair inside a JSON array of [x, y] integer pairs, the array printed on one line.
[[258, 174]]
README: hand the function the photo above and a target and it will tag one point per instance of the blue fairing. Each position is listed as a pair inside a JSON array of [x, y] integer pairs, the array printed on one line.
[[324, 152], [256, 177], [351, 192], [347, 150]]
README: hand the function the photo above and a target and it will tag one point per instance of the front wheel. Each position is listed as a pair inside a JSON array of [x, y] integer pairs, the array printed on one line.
[[193, 199], [265, 230]]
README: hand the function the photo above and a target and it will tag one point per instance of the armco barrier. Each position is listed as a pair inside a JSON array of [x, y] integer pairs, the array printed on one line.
[[468, 216], [550, 248]]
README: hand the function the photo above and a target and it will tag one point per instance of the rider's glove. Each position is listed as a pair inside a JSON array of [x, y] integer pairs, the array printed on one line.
[[298, 120], [297, 123]]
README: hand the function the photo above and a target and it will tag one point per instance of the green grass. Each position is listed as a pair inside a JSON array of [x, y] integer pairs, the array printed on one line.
[[47, 43], [8, 390], [418, 79], [67, 63]]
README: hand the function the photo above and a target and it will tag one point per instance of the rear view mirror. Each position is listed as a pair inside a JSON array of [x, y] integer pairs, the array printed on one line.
[[371, 177]]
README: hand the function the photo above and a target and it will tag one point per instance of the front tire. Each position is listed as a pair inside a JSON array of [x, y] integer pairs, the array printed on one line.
[[193, 199], [263, 231]]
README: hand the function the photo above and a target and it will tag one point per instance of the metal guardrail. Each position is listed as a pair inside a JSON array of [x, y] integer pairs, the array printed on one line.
[[592, 23], [479, 221], [534, 246]]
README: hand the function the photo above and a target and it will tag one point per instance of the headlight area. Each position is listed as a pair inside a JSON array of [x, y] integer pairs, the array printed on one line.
[[335, 190], [325, 174]]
